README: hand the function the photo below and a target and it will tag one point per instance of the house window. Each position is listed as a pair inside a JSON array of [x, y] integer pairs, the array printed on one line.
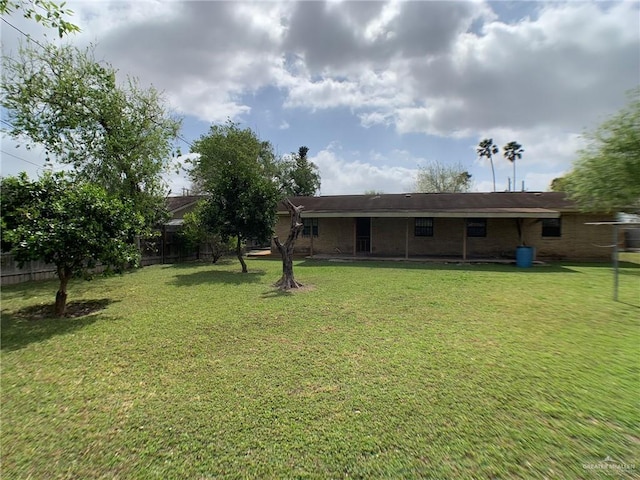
[[476, 227], [551, 227], [310, 227], [424, 227]]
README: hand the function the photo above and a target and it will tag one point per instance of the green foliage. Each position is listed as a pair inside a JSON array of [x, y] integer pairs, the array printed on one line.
[[197, 230], [606, 175], [487, 149], [298, 176], [118, 136], [559, 184], [237, 170], [44, 12], [436, 177], [71, 225]]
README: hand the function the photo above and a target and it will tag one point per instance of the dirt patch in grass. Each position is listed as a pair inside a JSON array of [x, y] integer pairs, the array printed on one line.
[[74, 310], [302, 289]]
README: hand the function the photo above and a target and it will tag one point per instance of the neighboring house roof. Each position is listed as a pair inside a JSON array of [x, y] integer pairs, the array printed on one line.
[[494, 205], [176, 204]]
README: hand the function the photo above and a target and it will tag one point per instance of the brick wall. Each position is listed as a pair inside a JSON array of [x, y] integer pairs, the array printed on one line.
[[388, 238], [335, 235], [578, 241]]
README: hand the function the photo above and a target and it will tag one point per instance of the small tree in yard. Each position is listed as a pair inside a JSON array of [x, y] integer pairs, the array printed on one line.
[[118, 135], [287, 281], [73, 226], [237, 171], [297, 177], [196, 231]]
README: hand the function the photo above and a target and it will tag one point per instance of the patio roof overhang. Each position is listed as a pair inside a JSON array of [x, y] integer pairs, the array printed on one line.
[[449, 213]]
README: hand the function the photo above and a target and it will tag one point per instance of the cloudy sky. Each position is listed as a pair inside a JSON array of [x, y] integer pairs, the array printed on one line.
[[374, 89]]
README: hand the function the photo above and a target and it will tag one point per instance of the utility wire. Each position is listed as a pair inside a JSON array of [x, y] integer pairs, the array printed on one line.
[[180, 137], [25, 34], [23, 159]]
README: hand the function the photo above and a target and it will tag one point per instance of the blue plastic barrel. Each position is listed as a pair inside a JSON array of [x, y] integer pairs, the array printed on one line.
[[524, 257]]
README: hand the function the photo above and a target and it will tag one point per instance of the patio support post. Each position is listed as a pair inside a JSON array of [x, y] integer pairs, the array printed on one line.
[[406, 239], [464, 239], [355, 236]]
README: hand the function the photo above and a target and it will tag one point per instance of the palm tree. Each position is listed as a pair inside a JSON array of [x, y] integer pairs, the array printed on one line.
[[513, 151], [487, 149]]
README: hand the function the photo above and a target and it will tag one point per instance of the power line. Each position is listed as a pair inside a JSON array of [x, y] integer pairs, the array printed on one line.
[[180, 137], [25, 34], [23, 159]]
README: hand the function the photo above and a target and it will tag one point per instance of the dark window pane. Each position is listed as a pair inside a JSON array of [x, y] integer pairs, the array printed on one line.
[[310, 227], [551, 227], [423, 227], [477, 227]]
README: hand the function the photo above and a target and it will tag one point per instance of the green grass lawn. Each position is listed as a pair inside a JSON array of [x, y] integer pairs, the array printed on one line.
[[378, 370]]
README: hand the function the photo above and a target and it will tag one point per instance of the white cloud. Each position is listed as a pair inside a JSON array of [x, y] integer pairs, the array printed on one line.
[[348, 176], [566, 67], [418, 65], [449, 69]]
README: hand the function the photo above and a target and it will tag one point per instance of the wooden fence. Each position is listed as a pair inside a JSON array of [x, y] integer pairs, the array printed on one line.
[[34, 270], [11, 274]]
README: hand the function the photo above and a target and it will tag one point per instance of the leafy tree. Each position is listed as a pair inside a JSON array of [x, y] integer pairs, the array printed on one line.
[[559, 184], [513, 151], [196, 231], [487, 149], [606, 175], [71, 225], [438, 178], [373, 192], [237, 171], [119, 136], [44, 12], [298, 176]]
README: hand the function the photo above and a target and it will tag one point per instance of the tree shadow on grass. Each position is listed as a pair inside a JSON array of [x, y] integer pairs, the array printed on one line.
[[30, 289], [224, 261], [633, 273], [37, 323], [276, 292], [432, 265], [217, 276]]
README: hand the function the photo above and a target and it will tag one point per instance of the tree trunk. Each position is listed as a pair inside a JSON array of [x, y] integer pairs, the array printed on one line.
[[287, 281], [239, 253], [493, 174], [64, 274]]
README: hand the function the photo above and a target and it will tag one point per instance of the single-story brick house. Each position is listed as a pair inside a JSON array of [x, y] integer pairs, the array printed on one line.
[[460, 225]]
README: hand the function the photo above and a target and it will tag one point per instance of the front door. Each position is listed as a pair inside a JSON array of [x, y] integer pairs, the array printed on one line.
[[363, 235]]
